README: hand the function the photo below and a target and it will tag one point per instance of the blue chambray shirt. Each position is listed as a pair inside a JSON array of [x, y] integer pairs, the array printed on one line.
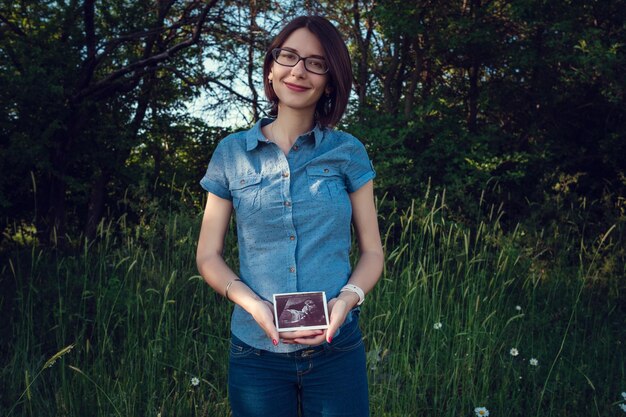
[[293, 214]]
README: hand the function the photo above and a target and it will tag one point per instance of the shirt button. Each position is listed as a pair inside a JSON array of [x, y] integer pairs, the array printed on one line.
[[292, 269], [285, 174], [326, 170], [287, 203], [292, 237], [295, 147]]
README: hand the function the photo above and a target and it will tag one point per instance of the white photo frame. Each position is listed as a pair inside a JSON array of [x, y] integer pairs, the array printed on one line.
[[300, 311]]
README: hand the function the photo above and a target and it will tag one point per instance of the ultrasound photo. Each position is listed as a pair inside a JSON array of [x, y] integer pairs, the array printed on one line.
[[300, 311]]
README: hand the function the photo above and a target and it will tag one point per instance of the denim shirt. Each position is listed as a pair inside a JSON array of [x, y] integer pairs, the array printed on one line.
[[293, 214]]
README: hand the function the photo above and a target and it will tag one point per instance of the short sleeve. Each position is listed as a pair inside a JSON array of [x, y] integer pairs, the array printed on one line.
[[215, 180], [360, 169]]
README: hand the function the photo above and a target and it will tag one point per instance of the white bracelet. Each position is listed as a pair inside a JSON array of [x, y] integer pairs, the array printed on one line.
[[353, 288]]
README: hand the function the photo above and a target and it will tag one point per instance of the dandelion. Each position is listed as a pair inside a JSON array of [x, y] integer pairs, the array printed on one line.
[[481, 411], [437, 325], [195, 381], [514, 352], [533, 362]]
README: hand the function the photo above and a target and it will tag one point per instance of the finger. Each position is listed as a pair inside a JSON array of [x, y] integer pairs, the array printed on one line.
[[337, 317], [272, 332], [311, 341], [301, 334], [268, 324], [304, 337]]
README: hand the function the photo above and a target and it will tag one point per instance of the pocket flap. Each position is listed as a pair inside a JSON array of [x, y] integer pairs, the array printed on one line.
[[245, 181], [322, 171]]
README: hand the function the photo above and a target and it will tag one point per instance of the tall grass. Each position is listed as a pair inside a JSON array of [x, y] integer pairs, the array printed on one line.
[[459, 314], [122, 326]]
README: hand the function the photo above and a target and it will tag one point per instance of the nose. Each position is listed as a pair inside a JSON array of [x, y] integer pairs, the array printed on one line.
[[298, 70]]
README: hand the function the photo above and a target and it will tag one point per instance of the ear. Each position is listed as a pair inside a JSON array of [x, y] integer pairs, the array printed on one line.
[[270, 76]]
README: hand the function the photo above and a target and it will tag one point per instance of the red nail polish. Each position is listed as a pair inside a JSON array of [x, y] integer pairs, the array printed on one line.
[[275, 342], [330, 339]]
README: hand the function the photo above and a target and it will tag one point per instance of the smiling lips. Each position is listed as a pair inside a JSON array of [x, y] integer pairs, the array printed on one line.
[[295, 87]]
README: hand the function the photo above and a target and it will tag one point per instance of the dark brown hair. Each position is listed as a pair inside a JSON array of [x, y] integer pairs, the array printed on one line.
[[330, 108]]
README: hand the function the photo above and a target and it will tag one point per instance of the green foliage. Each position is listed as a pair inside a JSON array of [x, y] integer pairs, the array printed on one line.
[[510, 100], [496, 102], [80, 83], [167, 167], [122, 325], [148, 332]]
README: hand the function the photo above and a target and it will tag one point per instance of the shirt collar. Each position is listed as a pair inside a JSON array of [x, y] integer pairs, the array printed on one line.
[[255, 135]]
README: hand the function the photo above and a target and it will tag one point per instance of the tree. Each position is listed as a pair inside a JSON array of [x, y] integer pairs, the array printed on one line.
[[517, 98], [512, 98], [74, 73]]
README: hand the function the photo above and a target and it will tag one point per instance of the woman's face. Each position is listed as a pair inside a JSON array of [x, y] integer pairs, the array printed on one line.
[[296, 87]]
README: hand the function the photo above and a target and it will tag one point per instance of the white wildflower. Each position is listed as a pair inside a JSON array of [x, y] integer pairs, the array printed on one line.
[[623, 407], [195, 381], [533, 362], [481, 411], [438, 325], [514, 352]]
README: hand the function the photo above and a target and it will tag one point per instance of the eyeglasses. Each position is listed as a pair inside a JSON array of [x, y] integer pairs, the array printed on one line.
[[289, 58]]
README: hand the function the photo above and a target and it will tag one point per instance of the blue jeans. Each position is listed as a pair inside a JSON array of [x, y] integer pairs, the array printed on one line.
[[329, 380]]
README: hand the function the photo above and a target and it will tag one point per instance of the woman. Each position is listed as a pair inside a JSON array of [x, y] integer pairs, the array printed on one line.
[[296, 186]]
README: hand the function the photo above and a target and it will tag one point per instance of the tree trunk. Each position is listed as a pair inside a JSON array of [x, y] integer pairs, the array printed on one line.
[[252, 63], [390, 99], [416, 77], [473, 73], [96, 205], [363, 44], [55, 224], [472, 97]]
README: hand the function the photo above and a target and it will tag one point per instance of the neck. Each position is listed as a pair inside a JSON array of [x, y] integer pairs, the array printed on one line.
[[290, 124]]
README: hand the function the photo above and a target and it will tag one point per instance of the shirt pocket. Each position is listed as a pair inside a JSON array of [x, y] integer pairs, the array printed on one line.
[[325, 182], [246, 192]]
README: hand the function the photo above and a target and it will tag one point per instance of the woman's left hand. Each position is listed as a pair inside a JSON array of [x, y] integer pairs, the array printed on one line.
[[338, 308]]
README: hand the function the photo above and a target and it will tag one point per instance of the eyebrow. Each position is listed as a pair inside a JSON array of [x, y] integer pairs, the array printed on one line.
[[296, 51]]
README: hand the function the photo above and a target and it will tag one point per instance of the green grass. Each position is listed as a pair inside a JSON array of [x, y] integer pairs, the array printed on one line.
[[121, 326]]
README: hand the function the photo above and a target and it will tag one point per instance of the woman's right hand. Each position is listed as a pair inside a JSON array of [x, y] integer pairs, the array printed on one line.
[[263, 313]]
